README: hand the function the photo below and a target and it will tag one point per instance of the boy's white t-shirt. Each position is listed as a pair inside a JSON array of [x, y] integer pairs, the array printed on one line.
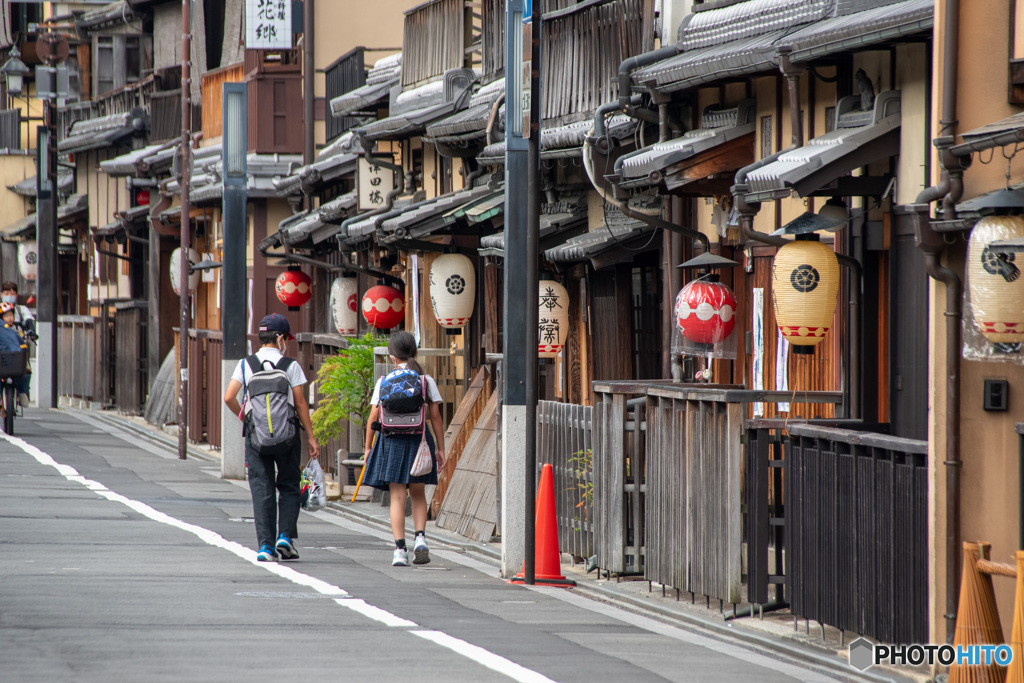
[[433, 395], [243, 373]]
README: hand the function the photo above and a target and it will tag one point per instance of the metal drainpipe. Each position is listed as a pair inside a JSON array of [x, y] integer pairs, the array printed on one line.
[[949, 189], [389, 198], [627, 67]]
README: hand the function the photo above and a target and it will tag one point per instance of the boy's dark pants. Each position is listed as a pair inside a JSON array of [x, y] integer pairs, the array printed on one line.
[[275, 512]]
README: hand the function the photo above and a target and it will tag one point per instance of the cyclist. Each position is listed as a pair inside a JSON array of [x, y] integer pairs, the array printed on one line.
[[12, 339], [23, 317]]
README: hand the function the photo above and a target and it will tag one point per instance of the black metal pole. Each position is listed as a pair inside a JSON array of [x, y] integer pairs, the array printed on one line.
[[51, 247], [532, 293], [308, 94], [186, 172]]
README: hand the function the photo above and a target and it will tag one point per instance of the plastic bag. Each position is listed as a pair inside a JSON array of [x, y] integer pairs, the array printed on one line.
[[424, 462], [314, 495]]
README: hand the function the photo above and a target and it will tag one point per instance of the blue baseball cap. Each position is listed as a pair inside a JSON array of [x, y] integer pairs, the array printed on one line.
[[275, 322]]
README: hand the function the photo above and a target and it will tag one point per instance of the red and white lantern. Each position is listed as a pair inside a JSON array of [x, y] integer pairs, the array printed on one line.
[[175, 268], [293, 288], [452, 289], [383, 307], [706, 311], [552, 319], [345, 304]]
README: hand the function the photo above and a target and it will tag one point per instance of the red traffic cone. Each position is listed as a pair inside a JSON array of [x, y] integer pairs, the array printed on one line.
[[547, 564]]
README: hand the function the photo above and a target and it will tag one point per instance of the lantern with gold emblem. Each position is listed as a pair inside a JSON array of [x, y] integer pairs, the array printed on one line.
[[805, 284], [994, 281]]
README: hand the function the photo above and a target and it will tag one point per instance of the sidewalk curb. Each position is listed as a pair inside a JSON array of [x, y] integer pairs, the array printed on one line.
[[798, 652]]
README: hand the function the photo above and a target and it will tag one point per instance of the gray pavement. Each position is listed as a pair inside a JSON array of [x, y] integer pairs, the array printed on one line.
[[123, 562]]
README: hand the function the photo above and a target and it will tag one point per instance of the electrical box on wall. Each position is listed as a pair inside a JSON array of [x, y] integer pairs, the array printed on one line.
[[997, 394]]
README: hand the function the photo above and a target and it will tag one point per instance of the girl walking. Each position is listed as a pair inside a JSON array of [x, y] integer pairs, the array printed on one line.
[[393, 453]]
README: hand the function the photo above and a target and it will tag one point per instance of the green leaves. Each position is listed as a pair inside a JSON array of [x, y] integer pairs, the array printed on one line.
[[344, 387]]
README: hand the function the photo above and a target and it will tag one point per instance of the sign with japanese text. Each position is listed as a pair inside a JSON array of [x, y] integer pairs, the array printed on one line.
[[268, 24], [374, 182]]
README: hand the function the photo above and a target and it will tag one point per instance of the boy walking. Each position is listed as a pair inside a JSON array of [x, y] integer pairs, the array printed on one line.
[[278, 512]]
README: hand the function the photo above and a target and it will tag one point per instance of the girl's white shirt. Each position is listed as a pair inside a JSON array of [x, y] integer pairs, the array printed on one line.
[[433, 395]]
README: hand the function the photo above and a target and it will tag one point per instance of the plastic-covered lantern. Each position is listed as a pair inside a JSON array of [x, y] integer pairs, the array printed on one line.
[[552, 319], [28, 258], [293, 288], [345, 304], [805, 284], [452, 289], [175, 268], [706, 311], [383, 307], [995, 283]]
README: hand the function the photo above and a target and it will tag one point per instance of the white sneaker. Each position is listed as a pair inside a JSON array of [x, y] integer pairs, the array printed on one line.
[[401, 558], [23, 400], [420, 551]]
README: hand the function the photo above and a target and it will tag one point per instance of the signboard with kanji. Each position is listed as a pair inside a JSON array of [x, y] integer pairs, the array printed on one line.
[[268, 24], [374, 182]]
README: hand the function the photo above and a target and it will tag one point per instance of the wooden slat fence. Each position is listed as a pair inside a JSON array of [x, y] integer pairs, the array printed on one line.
[[564, 440], [131, 365], [857, 531], [79, 360], [583, 46], [458, 432], [205, 388], [10, 129], [213, 96], [434, 40]]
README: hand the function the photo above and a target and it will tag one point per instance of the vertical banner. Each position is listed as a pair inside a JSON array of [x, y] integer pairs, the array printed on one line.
[[782, 369], [757, 346], [414, 261], [374, 182]]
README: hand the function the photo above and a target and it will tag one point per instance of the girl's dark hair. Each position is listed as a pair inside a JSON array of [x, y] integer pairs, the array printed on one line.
[[269, 337], [402, 346]]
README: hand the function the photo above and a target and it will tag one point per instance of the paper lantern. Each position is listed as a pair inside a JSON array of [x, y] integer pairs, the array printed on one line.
[[345, 304], [805, 283], [383, 307], [452, 289], [175, 270], [28, 258], [293, 288], [996, 287], [552, 319], [706, 311]]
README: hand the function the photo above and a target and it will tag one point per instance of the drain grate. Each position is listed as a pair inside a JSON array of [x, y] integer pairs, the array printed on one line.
[[290, 596]]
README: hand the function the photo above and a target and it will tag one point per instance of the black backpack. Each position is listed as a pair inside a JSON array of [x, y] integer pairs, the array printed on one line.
[[271, 422]]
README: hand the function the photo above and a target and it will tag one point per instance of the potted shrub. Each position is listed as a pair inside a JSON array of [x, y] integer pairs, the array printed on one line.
[[344, 387]]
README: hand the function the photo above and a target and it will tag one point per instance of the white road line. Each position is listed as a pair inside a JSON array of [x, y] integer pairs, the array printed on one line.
[[472, 652]]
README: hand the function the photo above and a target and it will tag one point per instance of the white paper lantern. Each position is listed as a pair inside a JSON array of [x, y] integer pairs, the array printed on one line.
[[994, 282], [28, 258], [175, 268], [345, 304], [552, 319], [452, 289]]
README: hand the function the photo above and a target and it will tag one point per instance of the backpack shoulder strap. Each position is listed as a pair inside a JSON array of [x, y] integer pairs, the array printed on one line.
[[254, 363], [284, 363]]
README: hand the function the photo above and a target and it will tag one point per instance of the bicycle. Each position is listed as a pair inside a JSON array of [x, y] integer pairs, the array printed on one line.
[[12, 364]]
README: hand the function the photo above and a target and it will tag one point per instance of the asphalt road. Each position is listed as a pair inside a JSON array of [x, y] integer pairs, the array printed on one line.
[[121, 562]]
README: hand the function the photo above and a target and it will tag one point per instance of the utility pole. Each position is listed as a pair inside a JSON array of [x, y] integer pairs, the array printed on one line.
[[519, 400], [186, 171]]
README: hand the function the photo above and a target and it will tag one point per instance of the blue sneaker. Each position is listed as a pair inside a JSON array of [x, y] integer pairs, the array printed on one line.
[[266, 554], [286, 549]]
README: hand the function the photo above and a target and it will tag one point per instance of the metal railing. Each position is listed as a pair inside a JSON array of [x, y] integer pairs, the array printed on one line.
[[565, 441]]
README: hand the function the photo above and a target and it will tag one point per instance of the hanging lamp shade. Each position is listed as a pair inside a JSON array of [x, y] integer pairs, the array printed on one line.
[[345, 304], [452, 289], [383, 307], [294, 288], [28, 259], [995, 282], [175, 270], [805, 283], [706, 311], [552, 319]]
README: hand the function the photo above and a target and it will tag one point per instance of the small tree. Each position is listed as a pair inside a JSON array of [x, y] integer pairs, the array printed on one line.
[[344, 387]]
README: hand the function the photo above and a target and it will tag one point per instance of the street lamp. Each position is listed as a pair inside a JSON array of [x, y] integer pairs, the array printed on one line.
[[14, 71]]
